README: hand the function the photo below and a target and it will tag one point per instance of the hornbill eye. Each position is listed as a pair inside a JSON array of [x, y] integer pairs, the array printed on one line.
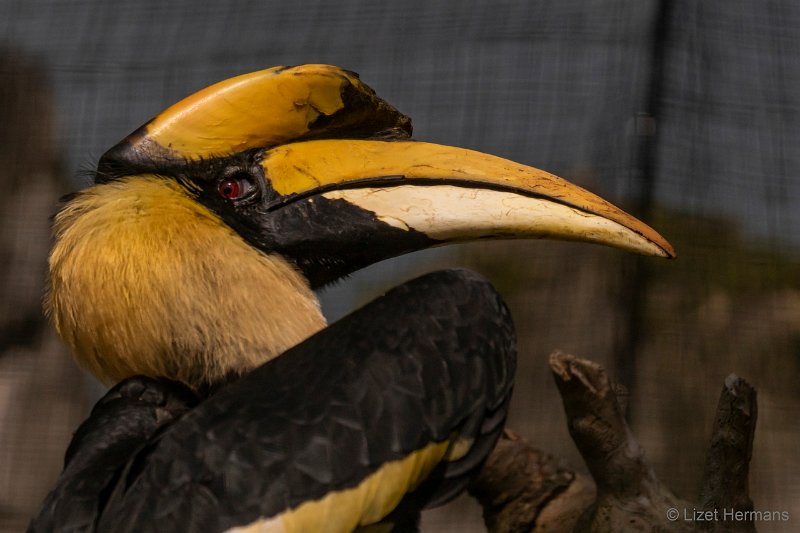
[[236, 185]]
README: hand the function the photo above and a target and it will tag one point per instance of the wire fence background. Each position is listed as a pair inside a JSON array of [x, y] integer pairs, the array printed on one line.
[[685, 112]]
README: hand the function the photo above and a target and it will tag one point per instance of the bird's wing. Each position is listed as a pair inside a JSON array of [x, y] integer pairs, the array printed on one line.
[[123, 421], [402, 399]]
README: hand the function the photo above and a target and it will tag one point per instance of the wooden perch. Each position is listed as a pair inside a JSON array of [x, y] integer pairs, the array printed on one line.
[[523, 489], [725, 482], [629, 496]]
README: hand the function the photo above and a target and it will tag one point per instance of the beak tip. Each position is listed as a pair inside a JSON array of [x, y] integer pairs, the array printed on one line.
[[665, 249]]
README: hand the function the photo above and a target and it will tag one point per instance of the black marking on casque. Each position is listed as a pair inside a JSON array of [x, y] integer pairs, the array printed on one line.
[[365, 115], [431, 359]]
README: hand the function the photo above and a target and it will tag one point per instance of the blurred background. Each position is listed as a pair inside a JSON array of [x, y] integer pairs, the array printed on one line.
[[685, 113]]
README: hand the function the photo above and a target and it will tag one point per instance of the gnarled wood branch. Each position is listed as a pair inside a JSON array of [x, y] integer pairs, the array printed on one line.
[[725, 482], [524, 489]]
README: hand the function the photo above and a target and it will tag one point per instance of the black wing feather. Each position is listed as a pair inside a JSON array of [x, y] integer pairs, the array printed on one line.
[[124, 420]]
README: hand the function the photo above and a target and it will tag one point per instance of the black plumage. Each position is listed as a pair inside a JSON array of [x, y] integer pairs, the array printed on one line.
[[123, 421], [431, 361]]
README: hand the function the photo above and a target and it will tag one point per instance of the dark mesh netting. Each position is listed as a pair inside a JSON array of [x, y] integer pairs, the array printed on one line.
[[685, 113]]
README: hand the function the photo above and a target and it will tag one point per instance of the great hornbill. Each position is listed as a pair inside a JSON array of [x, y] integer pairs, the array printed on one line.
[[186, 276]]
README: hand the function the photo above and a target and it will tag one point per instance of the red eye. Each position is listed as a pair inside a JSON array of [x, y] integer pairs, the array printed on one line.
[[235, 187]]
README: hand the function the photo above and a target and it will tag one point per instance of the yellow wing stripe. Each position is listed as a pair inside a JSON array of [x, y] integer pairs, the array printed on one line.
[[368, 502]]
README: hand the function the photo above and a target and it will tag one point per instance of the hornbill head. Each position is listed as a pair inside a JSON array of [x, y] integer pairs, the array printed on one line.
[[195, 254]]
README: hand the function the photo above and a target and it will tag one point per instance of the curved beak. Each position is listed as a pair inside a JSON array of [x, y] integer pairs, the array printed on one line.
[[451, 194]]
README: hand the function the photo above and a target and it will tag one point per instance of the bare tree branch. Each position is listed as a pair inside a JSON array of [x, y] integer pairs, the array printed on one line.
[[524, 489], [725, 482]]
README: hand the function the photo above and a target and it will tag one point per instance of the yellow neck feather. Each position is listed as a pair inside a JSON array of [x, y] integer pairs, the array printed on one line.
[[145, 280]]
